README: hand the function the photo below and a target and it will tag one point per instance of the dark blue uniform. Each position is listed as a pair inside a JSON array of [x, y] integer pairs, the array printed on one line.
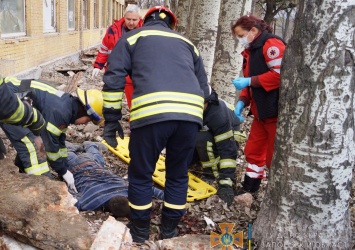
[[59, 110], [170, 84], [216, 145]]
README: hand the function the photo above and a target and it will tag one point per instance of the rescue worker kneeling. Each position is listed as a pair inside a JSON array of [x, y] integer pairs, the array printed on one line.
[[59, 109], [217, 144]]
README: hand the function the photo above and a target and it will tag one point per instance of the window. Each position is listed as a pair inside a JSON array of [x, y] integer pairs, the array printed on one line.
[[85, 14], [102, 20], [71, 14], [96, 14], [49, 16], [12, 17]]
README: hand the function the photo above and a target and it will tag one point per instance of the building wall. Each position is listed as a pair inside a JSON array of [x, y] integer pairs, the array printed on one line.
[[35, 48]]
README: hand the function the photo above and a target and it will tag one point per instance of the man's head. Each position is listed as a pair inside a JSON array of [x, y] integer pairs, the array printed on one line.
[[131, 16], [119, 207], [161, 13]]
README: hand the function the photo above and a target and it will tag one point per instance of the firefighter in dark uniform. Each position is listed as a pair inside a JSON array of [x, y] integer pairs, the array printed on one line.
[[15, 111], [217, 144], [59, 109], [170, 85]]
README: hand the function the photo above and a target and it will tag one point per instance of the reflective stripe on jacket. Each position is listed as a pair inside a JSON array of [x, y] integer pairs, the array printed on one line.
[[169, 79]]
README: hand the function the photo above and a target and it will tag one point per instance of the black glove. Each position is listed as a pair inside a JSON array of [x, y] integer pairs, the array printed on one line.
[[226, 193], [110, 130], [2, 149], [36, 122]]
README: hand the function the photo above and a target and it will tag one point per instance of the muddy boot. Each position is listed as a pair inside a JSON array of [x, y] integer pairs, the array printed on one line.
[[139, 230], [169, 227], [250, 185]]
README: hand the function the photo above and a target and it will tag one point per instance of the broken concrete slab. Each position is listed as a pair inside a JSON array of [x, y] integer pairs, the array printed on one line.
[[40, 212], [113, 235], [186, 242]]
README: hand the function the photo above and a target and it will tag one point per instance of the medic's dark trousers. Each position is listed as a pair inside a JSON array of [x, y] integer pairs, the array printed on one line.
[[145, 146], [31, 156]]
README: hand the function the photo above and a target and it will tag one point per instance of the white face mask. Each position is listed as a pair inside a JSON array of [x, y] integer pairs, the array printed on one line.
[[244, 41]]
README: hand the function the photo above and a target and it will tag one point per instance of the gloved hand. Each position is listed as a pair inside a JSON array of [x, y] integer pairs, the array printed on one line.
[[226, 193], [241, 82], [69, 179], [238, 111], [240, 136], [36, 123], [95, 72], [2, 149], [110, 130]]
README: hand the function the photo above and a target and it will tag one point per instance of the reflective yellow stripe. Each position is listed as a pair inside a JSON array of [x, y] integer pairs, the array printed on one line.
[[112, 99], [31, 150], [223, 136], [62, 153], [38, 169], [166, 96], [211, 163], [166, 102], [227, 163], [53, 129], [112, 96], [114, 105], [166, 108], [173, 206], [34, 84], [15, 81], [18, 115], [136, 207], [228, 182], [133, 39]]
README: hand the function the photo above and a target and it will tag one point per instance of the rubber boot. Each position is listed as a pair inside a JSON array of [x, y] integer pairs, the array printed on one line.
[[169, 227], [139, 230], [250, 185]]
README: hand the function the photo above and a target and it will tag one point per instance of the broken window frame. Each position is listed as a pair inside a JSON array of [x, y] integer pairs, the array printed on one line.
[[71, 9], [49, 16], [18, 18]]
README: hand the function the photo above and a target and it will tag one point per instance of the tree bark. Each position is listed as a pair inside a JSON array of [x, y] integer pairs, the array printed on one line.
[[227, 58], [204, 31], [306, 205], [183, 14]]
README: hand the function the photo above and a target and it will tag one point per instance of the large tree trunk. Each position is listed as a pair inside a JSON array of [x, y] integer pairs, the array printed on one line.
[[204, 31], [227, 58], [183, 16], [306, 205]]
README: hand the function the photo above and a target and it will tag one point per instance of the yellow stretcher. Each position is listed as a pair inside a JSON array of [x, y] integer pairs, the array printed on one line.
[[197, 190]]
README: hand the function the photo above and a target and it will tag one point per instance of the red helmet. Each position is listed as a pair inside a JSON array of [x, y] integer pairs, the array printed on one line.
[[173, 19]]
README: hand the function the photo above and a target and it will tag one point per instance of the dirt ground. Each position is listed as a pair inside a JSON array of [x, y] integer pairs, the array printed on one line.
[[193, 222]]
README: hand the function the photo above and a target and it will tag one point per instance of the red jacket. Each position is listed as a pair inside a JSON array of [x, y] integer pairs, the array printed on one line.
[[272, 50], [113, 34]]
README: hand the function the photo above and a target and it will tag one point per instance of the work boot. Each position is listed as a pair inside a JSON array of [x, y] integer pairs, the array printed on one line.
[[74, 147], [139, 230], [226, 193], [250, 185], [169, 227], [100, 146]]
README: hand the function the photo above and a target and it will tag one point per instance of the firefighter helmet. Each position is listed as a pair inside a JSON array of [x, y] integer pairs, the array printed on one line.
[[161, 12], [93, 102]]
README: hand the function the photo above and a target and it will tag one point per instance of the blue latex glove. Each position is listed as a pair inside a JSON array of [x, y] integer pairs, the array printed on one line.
[[238, 111], [241, 82]]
